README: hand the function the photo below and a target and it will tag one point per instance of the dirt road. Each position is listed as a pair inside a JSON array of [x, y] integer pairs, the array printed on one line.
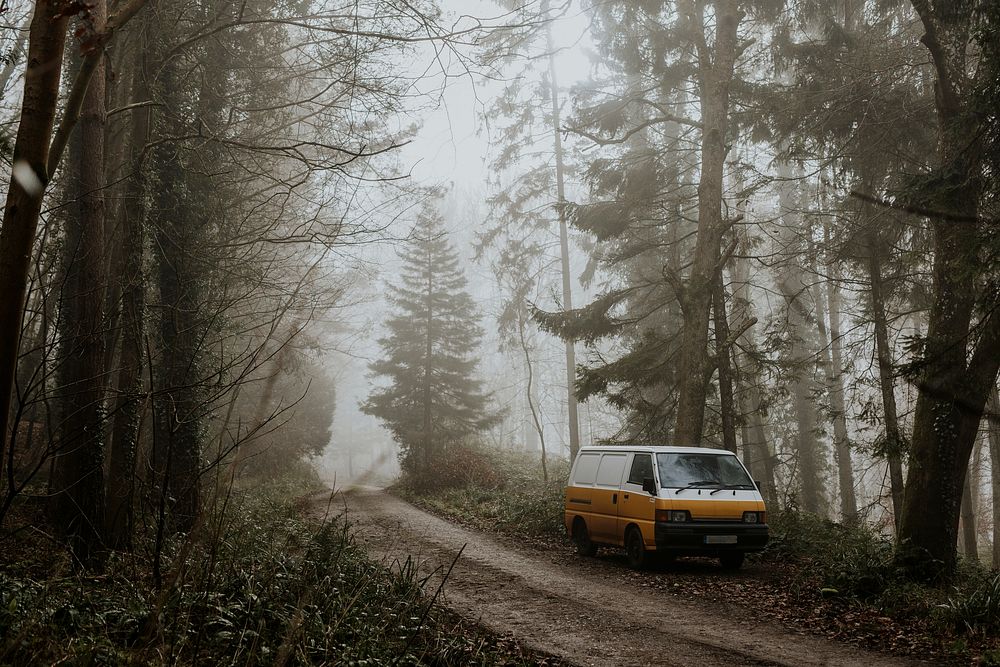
[[587, 614]]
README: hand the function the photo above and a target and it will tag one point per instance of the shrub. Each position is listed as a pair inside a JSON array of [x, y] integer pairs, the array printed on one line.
[[459, 466], [976, 608], [850, 560], [513, 498]]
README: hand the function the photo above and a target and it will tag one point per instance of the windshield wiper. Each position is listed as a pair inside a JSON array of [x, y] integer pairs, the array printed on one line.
[[695, 485], [728, 487]]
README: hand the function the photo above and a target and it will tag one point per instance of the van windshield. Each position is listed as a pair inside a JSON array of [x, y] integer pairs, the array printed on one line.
[[678, 471]]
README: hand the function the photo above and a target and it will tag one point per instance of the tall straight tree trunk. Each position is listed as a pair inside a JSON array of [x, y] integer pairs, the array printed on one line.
[[180, 282], [724, 360], [567, 283], [755, 441], [128, 402], [46, 42], [970, 540], [993, 436], [811, 490], [715, 76], [801, 353], [77, 485], [428, 365], [893, 438], [835, 384]]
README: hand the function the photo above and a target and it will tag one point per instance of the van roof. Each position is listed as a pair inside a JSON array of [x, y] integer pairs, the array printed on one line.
[[655, 449]]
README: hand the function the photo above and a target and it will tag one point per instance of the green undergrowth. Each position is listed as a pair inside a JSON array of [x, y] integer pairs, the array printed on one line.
[[270, 586], [507, 494], [852, 564]]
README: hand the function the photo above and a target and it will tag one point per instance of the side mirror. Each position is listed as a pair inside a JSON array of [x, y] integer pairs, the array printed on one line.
[[649, 485]]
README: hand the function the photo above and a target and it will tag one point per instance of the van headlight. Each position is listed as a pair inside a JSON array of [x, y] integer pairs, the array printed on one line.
[[753, 517], [673, 516]]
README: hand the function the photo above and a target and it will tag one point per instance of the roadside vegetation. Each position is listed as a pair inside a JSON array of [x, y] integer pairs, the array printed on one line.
[[265, 582], [833, 579]]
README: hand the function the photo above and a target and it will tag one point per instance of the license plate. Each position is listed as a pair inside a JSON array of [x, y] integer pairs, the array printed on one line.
[[720, 539]]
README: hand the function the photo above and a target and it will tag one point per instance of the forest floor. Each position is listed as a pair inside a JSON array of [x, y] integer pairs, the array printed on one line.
[[597, 611]]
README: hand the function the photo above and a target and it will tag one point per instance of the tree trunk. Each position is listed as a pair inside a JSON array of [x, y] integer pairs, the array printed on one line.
[[755, 442], [128, 403], [993, 434], [953, 389], [428, 365], [46, 41], [893, 439], [567, 285], [835, 385], [536, 421], [12, 57], [970, 541], [724, 358], [715, 72], [180, 279], [801, 354], [811, 491], [78, 468]]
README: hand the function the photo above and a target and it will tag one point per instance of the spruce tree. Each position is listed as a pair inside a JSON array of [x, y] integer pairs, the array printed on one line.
[[433, 401]]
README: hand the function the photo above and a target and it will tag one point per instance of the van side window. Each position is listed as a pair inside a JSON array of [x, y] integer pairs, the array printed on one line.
[[586, 469], [642, 468], [610, 472]]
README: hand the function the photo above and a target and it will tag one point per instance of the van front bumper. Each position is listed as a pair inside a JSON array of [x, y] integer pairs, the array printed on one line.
[[710, 536]]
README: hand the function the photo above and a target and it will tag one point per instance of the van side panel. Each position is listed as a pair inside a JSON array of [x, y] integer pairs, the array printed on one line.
[[580, 492], [635, 505], [606, 498]]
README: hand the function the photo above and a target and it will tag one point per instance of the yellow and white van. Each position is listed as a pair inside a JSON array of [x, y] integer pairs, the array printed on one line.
[[673, 501]]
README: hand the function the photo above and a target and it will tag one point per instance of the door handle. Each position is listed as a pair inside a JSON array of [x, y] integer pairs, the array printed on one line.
[[625, 496], [614, 498]]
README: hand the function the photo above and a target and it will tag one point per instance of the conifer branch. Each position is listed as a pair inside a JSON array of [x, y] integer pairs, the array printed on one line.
[[602, 141]]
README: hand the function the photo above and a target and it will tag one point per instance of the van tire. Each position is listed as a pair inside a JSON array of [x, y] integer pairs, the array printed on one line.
[[635, 549], [581, 538], [732, 560]]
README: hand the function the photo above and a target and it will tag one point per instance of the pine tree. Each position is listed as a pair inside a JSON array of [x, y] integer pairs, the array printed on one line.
[[433, 400]]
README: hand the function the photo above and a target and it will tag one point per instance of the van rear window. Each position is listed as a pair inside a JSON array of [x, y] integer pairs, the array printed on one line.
[[586, 469]]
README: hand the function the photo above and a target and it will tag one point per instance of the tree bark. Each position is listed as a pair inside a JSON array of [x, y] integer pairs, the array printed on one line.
[[993, 435], [755, 442], [128, 402], [835, 386], [428, 365], [715, 75], [802, 350], [531, 401], [811, 491], [970, 541], [953, 383], [78, 467], [893, 439], [567, 285], [724, 357], [46, 42]]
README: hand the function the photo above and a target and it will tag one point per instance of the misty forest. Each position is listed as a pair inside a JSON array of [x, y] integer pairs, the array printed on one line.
[[308, 306]]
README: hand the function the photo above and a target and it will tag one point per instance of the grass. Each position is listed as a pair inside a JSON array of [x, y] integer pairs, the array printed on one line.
[[516, 501], [271, 587]]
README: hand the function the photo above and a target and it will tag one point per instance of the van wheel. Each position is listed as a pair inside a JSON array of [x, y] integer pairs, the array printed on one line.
[[581, 538], [635, 550], [732, 560]]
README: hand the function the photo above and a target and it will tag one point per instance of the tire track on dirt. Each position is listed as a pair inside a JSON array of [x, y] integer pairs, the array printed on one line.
[[584, 616]]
